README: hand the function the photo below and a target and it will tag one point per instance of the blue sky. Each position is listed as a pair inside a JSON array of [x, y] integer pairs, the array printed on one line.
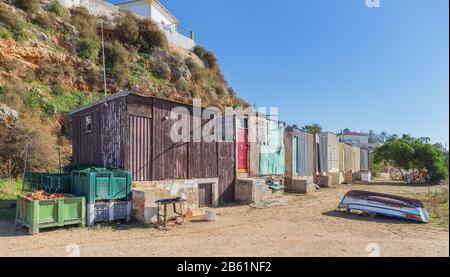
[[333, 62]]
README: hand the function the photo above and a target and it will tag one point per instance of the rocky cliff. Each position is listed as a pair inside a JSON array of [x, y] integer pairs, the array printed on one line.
[[51, 62]]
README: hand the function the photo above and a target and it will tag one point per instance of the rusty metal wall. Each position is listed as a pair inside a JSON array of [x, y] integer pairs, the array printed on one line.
[[304, 152], [323, 153], [364, 159]]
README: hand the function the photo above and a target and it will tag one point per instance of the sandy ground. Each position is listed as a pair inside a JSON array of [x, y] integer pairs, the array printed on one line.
[[307, 226]]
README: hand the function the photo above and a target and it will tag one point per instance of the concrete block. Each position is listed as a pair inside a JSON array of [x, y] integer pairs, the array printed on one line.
[[252, 190], [324, 181], [145, 195], [302, 185], [337, 178]]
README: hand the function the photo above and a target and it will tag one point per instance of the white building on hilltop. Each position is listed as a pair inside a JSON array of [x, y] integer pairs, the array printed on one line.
[[168, 23], [153, 9]]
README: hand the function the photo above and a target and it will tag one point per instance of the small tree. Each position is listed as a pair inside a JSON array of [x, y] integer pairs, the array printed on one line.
[[30, 6], [396, 153], [117, 60], [408, 153], [127, 30], [312, 129], [428, 160], [85, 23], [150, 36]]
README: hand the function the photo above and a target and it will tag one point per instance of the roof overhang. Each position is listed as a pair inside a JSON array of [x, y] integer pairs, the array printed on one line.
[[101, 101]]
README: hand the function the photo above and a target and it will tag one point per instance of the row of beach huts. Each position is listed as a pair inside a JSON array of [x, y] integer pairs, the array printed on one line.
[[262, 159]]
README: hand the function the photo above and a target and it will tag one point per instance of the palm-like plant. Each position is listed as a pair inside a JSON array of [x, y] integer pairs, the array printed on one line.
[[312, 129]]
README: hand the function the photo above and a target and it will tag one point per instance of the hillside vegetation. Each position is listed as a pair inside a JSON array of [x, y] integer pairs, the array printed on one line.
[[51, 62]]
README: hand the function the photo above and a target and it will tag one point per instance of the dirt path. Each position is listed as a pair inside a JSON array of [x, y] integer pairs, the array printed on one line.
[[308, 226]]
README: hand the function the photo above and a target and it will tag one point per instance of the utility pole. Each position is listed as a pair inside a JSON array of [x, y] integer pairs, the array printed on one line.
[[104, 63], [25, 166]]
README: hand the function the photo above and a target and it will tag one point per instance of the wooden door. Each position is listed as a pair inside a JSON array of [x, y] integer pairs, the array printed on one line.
[[205, 195], [242, 144], [139, 148], [226, 170]]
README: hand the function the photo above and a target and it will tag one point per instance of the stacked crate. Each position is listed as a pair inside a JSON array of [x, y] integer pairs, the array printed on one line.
[[39, 214], [48, 182], [107, 192]]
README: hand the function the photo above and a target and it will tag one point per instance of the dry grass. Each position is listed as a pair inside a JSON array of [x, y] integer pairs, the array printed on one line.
[[9, 190], [437, 204]]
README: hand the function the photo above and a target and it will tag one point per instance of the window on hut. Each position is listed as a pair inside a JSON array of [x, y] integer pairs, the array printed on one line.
[[89, 124]]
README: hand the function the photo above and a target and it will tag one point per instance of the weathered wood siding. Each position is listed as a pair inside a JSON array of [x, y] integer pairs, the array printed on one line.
[[104, 146], [170, 159], [226, 168], [133, 133]]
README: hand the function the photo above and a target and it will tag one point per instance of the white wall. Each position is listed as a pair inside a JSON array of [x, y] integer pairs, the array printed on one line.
[[101, 8], [141, 8], [333, 152], [95, 7], [160, 16]]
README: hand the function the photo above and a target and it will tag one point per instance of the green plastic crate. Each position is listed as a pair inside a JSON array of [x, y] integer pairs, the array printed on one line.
[[39, 214], [101, 184], [51, 183]]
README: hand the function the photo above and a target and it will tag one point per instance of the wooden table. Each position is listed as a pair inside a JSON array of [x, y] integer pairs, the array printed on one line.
[[171, 201]]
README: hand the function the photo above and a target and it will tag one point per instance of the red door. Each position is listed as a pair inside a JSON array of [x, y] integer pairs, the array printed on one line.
[[242, 144]]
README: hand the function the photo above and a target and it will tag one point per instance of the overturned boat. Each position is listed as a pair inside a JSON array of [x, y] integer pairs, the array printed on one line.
[[384, 204]]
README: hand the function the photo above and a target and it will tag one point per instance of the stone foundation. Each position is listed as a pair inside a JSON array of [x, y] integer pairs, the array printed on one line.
[[252, 190], [336, 178], [303, 185], [324, 181], [145, 194]]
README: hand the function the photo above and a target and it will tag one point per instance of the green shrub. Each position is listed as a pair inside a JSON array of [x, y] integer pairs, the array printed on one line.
[[193, 91], [42, 153], [33, 101], [19, 34], [7, 17], [54, 73], [150, 36], [45, 20], [13, 92], [182, 86], [162, 71], [89, 49], [84, 22], [206, 56], [5, 33], [127, 30], [2, 94], [232, 93], [58, 9], [30, 6], [117, 60], [14, 24], [219, 89], [197, 72]]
